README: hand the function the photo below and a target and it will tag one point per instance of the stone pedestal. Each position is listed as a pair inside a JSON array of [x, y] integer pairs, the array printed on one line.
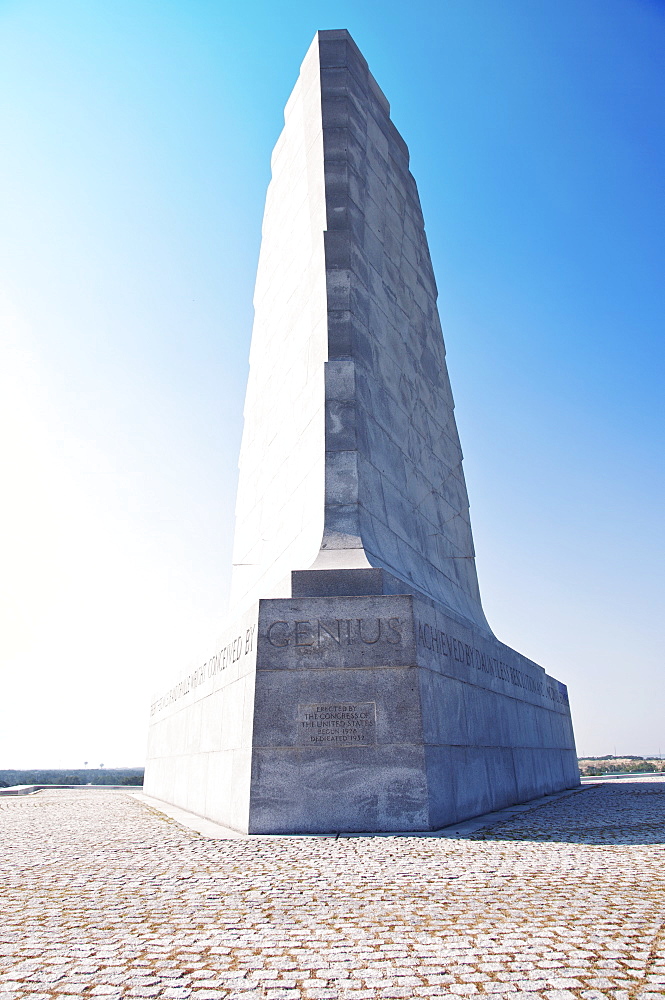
[[364, 712]]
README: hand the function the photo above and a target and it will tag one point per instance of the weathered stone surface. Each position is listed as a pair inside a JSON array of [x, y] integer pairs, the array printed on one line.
[[372, 695], [463, 724]]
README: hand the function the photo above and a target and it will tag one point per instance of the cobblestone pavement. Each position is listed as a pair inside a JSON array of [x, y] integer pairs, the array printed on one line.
[[102, 897]]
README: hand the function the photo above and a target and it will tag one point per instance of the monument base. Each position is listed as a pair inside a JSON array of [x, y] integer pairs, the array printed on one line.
[[329, 712]]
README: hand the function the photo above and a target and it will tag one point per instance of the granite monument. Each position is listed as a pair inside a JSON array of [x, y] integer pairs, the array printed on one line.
[[358, 686]]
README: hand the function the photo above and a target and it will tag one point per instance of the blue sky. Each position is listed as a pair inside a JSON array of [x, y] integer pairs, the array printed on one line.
[[136, 150]]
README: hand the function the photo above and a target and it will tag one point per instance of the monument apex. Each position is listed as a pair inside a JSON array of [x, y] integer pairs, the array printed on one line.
[[358, 686]]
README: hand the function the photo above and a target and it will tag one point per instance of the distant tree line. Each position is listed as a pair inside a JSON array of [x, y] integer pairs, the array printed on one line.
[[624, 765], [611, 756], [73, 776]]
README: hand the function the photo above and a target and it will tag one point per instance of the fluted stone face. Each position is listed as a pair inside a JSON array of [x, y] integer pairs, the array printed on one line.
[[348, 360]]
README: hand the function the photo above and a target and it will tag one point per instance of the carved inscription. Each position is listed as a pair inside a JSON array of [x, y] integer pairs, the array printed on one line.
[[318, 632], [447, 647], [340, 725], [238, 647]]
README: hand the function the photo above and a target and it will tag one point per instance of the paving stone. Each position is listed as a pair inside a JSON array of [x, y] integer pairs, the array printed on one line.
[[102, 897]]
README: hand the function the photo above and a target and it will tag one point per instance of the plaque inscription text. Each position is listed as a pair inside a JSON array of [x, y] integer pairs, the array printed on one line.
[[341, 725]]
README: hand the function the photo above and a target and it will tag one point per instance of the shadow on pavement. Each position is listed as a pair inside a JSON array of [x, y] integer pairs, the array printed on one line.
[[605, 814]]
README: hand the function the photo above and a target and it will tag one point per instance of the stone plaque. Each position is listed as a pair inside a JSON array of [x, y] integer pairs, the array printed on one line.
[[337, 725]]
